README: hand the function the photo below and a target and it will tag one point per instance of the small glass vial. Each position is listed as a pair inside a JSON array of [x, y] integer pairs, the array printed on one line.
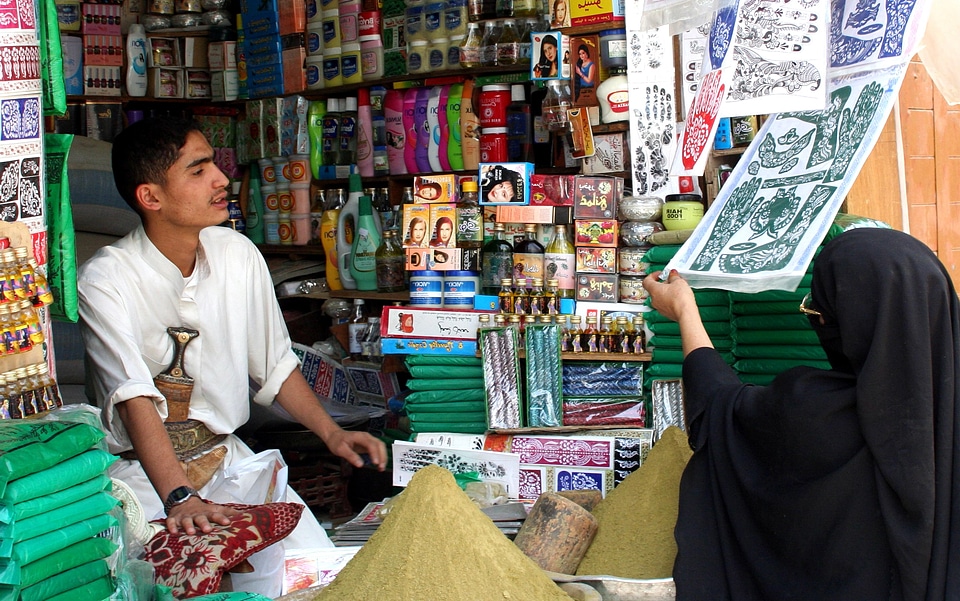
[[4, 399], [26, 270], [500, 320], [576, 335], [565, 337], [484, 320], [590, 337], [605, 338], [537, 302], [50, 389], [521, 297], [640, 337], [7, 331], [623, 339], [551, 297], [545, 319], [505, 296]]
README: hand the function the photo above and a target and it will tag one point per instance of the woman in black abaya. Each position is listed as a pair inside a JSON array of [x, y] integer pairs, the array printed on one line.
[[829, 485]]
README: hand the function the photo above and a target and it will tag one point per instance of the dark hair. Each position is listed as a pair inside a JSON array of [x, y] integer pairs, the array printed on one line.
[[584, 48], [143, 152]]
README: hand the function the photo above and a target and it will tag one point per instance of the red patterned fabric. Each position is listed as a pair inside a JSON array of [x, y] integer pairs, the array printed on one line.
[[193, 565]]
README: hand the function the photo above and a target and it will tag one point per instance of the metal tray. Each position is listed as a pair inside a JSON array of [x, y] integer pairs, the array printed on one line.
[[612, 588]]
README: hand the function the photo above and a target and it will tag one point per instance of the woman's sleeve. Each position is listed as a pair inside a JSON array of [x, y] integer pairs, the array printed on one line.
[[706, 378]]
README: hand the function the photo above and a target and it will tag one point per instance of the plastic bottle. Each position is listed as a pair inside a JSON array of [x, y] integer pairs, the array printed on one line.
[[315, 114], [469, 218], [410, 130], [391, 265], [364, 133], [488, 45], [471, 52], [363, 253], [329, 224], [444, 132], [348, 132], [433, 128], [454, 151], [331, 133], [356, 328], [422, 127], [381, 166], [614, 96], [555, 105], [346, 227], [469, 129], [508, 44], [560, 262], [393, 110], [255, 209], [136, 80], [519, 126]]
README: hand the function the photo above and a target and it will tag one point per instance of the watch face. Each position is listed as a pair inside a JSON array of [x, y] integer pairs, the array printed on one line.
[[179, 495]]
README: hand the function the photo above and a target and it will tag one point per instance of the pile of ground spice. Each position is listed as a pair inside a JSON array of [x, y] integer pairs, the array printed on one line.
[[436, 545], [637, 519]]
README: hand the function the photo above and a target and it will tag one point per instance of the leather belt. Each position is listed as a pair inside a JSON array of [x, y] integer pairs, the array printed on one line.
[[190, 438]]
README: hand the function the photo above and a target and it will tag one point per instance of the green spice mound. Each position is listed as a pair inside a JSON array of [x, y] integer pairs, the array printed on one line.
[[635, 535], [436, 545]]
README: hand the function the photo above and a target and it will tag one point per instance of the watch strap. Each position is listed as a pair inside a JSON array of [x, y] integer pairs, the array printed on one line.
[[177, 496]]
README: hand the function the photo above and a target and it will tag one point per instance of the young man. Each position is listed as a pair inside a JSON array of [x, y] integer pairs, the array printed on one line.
[[176, 270]]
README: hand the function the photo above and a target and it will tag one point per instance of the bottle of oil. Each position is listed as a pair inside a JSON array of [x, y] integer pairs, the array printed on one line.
[[640, 338], [564, 322], [576, 335], [538, 302], [484, 320], [606, 342], [521, 297], [589, 337], [499, 320], [497, 260], [551, 300], [505, 296], [528, 254], [623, 339]]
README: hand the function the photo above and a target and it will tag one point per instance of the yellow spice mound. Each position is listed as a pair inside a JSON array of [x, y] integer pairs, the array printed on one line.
[[637, 519], [436, 545]]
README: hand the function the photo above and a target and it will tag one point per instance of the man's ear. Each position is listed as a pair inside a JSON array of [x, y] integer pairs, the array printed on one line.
[[147, 197]]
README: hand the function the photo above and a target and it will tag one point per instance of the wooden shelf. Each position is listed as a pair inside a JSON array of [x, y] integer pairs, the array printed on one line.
[[596, 357], [729, 152], [371, 295], [416, 79], [305, 250]]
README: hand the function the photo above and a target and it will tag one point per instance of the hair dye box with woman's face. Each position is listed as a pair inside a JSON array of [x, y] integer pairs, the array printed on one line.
[[416, 226], [585, 69], [435, 188], [505, 183]]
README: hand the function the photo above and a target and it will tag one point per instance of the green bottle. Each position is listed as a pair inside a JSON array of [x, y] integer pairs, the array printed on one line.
[[454, 151], [315, 114], [366, 240]]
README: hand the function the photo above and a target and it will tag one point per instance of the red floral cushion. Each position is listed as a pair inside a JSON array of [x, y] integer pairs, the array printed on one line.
[[194, 565]]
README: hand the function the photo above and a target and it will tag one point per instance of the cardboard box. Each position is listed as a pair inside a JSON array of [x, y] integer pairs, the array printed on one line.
[[435, 188], [100, 19], [602, 233], [414, 322], [540, 67], [584, 69], [369, 383], [416, 226], [69, 15], [598, 287], [438, 259], [195, 53], [596, 260], [609, 154], [104, 120], [443, 225], [325, 376], [423, 346], [163, 52], [164, 82], [607, 12], [103, 50], [529, 214], [595, 197], [72, 47], [101, 81], [222, 55], [551, 190], [505, 183]]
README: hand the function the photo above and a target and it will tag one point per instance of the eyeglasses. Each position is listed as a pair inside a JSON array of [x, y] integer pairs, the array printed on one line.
[[805, 308]]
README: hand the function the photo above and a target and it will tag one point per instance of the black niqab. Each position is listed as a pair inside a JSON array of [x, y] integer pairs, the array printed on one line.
[[840, 484]]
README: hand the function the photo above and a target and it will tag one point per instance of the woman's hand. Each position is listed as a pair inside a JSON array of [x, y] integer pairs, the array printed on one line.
[[671, 298]]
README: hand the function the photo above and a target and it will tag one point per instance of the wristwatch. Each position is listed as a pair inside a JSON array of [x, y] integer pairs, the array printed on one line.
[[178, 496]]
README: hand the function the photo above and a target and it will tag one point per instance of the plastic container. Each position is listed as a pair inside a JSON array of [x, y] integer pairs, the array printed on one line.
[[267, 175], [314, 40], [433, 20], [370, 23], [493, 145], [298, 167], [271, 201], [349, 23], [455, 18], [613, 94], [371, 57], [414, 24], [437, 54], [393, 117], [301, 229], [453, 52], [281, 171], [682, 211], [332, 76], [426, 289], [314, 71], [640, 208], [301, 199], [613, 50], [350, 63], [271, 228], [417, 56], [460, 288], [136, 76], [284, 229], [284, 198], [494, 100], [331, 28]]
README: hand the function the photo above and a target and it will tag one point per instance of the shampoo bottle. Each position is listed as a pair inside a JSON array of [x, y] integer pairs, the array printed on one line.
[[422, 126], [364, 133], [136, 80], [469, 129], [396, 140], [454, 153], [433, 127], [329, 222], [346, 225], [363, 253], [443, 132], [410, 130], [331, 133], [315, 114], [348, 132]]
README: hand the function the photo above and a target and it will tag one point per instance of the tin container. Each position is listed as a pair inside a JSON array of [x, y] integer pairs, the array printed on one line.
[[631, 261], [632, 290]]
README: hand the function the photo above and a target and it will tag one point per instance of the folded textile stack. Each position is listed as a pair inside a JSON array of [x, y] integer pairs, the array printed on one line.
[[58, 522], [771, 335], [664, 344], [446, 394]]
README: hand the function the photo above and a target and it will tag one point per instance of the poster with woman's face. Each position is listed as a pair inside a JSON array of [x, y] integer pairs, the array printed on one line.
[[546, 58], [559, 14]]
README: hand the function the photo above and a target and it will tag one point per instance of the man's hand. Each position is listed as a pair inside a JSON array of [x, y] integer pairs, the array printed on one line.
[[348, 444], [195, 513]]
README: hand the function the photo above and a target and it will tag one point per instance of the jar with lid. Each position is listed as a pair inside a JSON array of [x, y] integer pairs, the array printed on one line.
[[493, 145], [437, 54], [414, 23], [614, 96], [453, 52], [417, 56], [555, 105], [433, 20], [455, 18]]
